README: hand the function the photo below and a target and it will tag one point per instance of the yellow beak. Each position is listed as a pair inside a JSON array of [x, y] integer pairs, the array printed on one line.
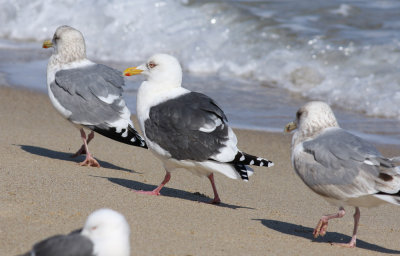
[[132, 71], [290, 127], [47, 44]]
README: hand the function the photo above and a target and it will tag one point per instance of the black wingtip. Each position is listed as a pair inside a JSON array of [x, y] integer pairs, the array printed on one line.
[[243, 158], [128, 136], [241, 161]]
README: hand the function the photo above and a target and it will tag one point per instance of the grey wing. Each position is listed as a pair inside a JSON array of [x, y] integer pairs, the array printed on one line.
[[92, 94], [340, 165], [64, 245], [190, 127]]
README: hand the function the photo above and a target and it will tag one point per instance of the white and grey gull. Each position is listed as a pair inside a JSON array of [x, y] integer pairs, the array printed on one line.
[[87, 94], [105, 233], [187, 130], [339, 166]]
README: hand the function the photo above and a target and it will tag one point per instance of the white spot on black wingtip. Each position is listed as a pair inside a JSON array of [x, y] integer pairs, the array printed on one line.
[[259, 159], [142, 143], [242, 158], [251, 162], [270, 164], [261, 164], [133, 139]]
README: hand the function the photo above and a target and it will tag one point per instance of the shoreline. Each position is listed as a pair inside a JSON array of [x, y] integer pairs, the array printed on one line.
[[44, 192], [378, 139]]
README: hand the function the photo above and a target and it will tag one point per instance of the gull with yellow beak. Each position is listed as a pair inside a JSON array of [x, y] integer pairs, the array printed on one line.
[[87, 94], [339, 166], [187, 130]]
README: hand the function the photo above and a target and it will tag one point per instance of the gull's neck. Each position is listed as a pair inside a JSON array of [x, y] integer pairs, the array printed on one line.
[[71, 51], [63, 59]]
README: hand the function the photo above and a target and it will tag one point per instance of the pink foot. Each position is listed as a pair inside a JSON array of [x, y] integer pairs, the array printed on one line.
[[156, 191], [90, 161], [351, 244], [215, 201], [353, 240], [321, 228], [152, 193]]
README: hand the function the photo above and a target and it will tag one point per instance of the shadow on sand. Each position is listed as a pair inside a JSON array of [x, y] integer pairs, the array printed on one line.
[[330, 237], [170, 192], [67, 157]]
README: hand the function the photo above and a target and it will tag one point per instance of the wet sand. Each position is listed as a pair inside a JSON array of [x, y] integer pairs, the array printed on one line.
[[44, 192]]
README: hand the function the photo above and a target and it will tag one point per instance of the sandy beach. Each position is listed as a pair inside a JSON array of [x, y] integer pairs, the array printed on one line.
[[44, 192]]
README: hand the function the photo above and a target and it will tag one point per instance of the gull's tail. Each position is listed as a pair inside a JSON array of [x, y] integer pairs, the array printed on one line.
[[389, 180], [390, 198]]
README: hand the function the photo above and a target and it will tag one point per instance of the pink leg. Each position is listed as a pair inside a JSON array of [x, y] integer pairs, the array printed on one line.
[[90, 137], [90, 161], [216, 199], [156, 191], [82, 150], [322, 225], [353, 240]]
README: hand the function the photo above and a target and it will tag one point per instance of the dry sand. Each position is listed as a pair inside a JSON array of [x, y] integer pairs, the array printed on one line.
[[44, 192]]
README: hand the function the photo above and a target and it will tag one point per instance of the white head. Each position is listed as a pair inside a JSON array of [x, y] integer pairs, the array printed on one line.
[[311, 119], [68, 44], [109, 231], [161, 69]]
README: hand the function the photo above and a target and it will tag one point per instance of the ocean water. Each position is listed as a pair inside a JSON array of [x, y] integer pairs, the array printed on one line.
[[260, 60]]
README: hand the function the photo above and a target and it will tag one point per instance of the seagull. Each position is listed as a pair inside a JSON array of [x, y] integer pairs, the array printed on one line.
[[87, 94], [339, 166], [106, 233], [184, 129]]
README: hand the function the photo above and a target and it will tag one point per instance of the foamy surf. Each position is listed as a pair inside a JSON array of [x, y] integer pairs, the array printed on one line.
[[345, 54]]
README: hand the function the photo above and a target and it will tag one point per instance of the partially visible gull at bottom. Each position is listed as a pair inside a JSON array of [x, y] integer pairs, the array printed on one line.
[[87, 94], [187, 130], [106, 233], [339, 166]]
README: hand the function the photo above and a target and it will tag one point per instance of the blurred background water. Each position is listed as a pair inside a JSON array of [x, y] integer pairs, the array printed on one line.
[[260, 60]]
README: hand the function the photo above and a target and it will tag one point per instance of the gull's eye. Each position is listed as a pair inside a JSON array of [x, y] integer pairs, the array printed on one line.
[[298, 114], [151, 64]]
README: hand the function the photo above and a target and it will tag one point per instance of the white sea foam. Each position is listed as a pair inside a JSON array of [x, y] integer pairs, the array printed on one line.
[[346, 54]]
